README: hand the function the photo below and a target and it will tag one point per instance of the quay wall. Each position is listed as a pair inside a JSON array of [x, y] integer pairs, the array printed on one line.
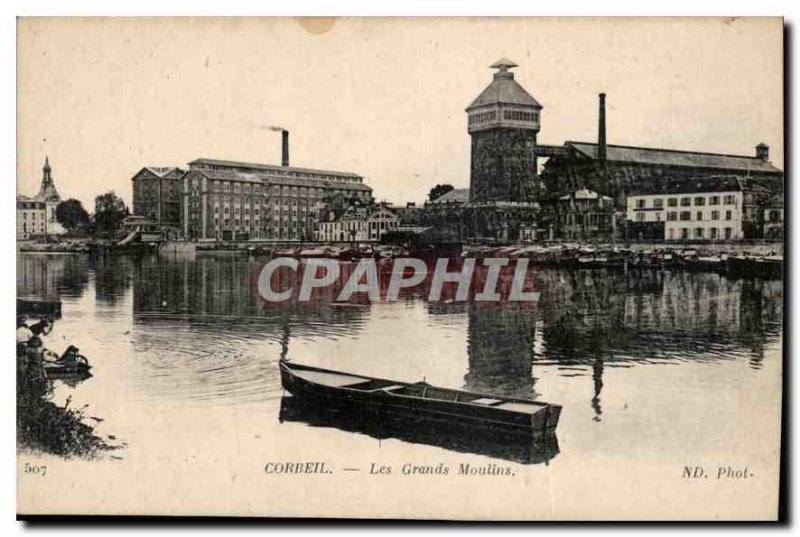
[[733, 247]]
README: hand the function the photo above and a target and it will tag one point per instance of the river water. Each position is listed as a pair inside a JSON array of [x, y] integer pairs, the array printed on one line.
[[655, 371]]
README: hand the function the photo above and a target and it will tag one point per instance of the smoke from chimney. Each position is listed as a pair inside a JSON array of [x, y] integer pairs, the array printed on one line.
[[601, 131], [285, 147]]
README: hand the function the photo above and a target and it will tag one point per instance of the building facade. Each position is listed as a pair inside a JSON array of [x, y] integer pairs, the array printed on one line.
[[773, 218], [350, 226], [31, 218], [722, 208], [36, 216], [158, 195], [225, 200], [584, 215], [380, 221]]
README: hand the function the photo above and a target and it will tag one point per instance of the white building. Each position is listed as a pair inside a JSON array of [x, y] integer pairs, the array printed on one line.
[[357, 225], [709, 209], [380, 221], [31, 218], [37, 216], [351, 226]]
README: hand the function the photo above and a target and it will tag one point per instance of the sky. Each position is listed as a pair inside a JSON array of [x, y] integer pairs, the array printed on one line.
[[383, 98]]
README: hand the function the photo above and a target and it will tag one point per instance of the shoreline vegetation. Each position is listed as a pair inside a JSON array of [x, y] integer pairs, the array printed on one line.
[[47, 427]]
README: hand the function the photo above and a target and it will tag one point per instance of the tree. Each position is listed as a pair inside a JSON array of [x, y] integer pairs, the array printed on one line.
[[109, 212], [438, 191], [72, 215]]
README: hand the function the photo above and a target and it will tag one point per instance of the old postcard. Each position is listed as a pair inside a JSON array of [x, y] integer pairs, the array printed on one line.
[[458, 269]]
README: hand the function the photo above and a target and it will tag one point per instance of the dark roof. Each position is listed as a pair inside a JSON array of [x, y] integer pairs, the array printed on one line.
[[457, 195], [267, 179], [24, 202], [504, 89], [727, 183], [775, 201], [673, 157], [270, 167]]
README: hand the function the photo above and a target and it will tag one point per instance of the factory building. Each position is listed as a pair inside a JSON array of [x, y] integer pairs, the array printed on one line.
[[618, 171], [509, 201], [158, 195], [229, 200]]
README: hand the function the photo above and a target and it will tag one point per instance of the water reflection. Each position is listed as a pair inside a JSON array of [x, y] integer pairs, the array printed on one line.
[[198, 329], [500, 349], [51, 276], [520, 448]]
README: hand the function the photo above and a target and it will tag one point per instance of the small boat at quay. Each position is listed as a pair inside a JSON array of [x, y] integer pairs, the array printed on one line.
[[59, 369], [420, 400]]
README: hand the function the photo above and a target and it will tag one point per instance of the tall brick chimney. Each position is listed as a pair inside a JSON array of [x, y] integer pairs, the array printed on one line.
[[285, 148], [762, 152], [601, 130]]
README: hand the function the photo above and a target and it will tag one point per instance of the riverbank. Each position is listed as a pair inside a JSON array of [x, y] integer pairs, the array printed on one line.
[[73, 246], [44, 426]]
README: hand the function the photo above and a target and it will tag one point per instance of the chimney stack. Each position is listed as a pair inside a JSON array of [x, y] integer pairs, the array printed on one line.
[[762, 152], [601, 131], [285, 148]]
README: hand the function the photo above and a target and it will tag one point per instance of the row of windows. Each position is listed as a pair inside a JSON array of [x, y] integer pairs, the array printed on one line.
[[686, 216], [482, 117], [686, 201], [247, 198], [236, 188], [520, 115], [283, 173], [700, 233]]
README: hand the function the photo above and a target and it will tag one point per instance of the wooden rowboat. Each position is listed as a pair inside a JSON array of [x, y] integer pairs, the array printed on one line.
[[420, 400], [56, 369]]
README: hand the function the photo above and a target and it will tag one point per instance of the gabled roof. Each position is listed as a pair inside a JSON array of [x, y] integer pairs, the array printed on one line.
[[269, 167], [457, 195], [691, 185], [162, 171], [673, 157], [382, 209], [267, 179]]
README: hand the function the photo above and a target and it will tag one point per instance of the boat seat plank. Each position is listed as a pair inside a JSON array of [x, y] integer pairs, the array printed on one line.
[[338, 380], [486, 401], [525, 408]]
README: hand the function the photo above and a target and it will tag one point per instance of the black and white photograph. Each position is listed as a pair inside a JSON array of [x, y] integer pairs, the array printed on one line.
[[463, 269]]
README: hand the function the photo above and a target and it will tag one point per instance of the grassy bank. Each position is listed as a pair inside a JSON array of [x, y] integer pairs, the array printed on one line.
[[44, 426]]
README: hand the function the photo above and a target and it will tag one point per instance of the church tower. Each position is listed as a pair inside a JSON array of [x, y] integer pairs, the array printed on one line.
[[503, 123], [49, 195], [47, 192]]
